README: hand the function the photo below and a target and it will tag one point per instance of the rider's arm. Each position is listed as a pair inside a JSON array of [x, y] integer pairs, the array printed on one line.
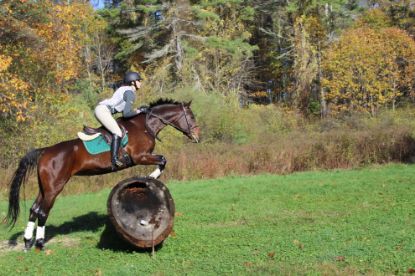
[[129, 98]]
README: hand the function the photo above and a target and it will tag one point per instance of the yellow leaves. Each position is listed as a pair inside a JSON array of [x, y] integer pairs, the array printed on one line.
[[368, 68], [5, 62], [64, 31], [14, 95], [373, 18], [61, 51], [43, 52]]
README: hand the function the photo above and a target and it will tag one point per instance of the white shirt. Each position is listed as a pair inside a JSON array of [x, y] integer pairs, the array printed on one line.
[[116, 102]]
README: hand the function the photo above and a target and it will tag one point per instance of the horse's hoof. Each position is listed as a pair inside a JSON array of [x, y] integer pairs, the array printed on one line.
[[40, 244], [28, 243]]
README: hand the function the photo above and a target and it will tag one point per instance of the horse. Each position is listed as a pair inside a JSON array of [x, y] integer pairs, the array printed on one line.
[[56, 164]]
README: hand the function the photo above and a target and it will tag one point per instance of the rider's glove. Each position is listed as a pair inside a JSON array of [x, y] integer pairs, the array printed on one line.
[[143, 109]]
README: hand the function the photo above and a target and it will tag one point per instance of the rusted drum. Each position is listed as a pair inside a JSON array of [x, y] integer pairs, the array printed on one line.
[[142, 211]]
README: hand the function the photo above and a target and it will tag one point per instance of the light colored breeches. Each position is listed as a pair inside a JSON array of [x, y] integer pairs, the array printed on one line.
[[104, 116]]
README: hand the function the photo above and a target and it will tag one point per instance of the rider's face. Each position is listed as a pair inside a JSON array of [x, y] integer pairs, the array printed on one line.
[[137, 84]]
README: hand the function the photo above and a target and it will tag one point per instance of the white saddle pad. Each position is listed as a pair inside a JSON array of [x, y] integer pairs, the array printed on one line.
[[86, 137]]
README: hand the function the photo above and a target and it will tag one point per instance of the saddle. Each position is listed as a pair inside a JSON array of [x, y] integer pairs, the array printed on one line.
[[93, 145], [105, 133]]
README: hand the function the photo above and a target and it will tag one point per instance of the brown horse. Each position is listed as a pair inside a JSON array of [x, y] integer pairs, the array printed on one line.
[[56, 164]]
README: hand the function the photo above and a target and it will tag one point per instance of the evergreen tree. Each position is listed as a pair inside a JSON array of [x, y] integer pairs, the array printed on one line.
[[203, 43], [291, 37]]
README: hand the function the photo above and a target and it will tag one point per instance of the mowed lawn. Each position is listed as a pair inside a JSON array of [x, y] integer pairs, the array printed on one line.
[[333, 222]]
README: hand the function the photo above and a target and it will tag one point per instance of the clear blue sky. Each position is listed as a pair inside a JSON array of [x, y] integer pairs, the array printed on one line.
[[97, 4]]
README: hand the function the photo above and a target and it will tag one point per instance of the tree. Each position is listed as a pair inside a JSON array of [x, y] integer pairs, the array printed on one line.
[[44, 41], [203, 43], [309, 37], [400, 14], [221, 59], [14, 95], [148, 40], [291, 36], [368, 68]]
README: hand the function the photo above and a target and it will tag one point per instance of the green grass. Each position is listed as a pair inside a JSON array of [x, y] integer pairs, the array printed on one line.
[[336, 222]]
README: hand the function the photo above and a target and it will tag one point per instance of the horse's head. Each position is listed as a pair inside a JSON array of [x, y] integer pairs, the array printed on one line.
[[177, 115]]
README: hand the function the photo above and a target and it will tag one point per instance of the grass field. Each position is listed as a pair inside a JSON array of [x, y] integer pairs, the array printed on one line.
[[335, 222]]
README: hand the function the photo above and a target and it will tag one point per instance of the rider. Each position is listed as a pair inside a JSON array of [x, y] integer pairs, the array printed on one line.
[[121, 101]]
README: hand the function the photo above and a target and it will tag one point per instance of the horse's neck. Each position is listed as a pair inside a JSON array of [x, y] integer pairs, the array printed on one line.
[[156, 122]]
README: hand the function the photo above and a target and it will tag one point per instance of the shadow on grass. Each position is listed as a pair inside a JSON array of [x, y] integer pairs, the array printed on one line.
[[91, 222], [112, 241]]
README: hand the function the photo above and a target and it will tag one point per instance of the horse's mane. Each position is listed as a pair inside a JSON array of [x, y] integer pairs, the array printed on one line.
[[163, 101]]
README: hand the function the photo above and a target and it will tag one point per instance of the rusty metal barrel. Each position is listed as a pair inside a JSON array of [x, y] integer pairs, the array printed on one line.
[[142, 211]]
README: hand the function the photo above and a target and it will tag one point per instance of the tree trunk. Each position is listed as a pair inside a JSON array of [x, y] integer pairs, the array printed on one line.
[[323, 103]]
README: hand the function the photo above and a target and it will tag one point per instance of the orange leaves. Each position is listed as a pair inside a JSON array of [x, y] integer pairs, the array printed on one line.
[[368, 68], [41, 50], [13, 91], [61, 32], [61, 53], [5, 62]]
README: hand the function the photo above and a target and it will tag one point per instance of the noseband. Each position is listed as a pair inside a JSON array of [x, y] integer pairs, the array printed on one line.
[[170, 123]]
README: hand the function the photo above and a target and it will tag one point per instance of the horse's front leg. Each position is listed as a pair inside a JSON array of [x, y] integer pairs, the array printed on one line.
[[153, 159]]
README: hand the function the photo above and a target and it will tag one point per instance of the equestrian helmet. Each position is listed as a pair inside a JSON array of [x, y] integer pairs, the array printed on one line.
[[131, 76]]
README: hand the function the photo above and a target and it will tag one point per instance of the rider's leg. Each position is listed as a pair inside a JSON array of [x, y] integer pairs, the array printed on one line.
[[104, 116], [115, 147]]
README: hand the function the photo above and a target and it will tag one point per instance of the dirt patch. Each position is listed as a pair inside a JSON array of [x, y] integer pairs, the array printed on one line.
[[65, 241], [9, 246]]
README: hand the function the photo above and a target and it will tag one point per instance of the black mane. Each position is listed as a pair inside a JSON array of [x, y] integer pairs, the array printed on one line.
[[163, 101]]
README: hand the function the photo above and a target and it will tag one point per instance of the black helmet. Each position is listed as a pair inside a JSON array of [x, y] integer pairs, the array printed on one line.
[[131, 76]]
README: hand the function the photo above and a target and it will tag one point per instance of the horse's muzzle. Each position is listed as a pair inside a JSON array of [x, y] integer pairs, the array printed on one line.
[[195, 134]]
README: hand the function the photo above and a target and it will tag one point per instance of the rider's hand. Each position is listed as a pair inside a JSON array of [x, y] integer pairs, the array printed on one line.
[[143, 109]]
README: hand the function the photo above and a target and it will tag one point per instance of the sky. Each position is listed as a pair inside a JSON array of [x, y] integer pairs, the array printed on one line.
[[97, 4]]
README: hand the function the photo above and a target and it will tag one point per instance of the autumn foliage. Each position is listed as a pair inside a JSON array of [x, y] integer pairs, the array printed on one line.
[[41, 51], [368, 69], [13, 91]]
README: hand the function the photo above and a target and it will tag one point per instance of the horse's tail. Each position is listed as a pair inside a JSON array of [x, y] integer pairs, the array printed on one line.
[[26, 166]]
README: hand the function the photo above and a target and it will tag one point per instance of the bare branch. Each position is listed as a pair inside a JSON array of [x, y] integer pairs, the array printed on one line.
[[285, 54], [271, 33], [157, 54], [139, 32], [194, 37]]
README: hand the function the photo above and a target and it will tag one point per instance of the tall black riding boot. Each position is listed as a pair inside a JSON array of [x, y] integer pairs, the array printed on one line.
[[115, 147]]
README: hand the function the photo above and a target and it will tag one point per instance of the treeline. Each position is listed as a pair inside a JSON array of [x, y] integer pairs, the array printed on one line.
[[308, 59], [317, 57]]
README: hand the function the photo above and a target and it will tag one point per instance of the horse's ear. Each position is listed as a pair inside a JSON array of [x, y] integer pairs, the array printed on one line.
[[188, 103]]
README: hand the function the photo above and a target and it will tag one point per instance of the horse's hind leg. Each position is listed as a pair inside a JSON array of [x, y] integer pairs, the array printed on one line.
[[28, 233], [50, 186], [45, 206]]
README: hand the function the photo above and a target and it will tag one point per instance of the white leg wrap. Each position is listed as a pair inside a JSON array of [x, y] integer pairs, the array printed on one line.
[[156, 173], [28, 233], [40, 232]]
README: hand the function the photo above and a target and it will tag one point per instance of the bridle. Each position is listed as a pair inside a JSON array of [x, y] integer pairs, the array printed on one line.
[[188, 132]]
